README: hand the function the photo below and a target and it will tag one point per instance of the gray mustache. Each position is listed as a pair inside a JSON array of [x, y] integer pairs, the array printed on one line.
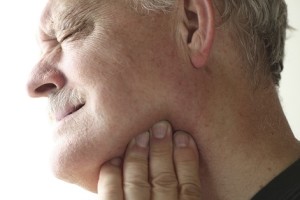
[[62, 98]]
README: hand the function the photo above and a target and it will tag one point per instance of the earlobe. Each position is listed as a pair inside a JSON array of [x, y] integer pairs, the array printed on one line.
[[200, 25]]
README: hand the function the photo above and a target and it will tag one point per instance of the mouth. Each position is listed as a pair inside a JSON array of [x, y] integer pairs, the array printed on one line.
[[67, 111]]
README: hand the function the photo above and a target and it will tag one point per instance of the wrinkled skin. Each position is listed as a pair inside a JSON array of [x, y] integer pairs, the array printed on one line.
[[121, 71], [132, 70], [157, 165]]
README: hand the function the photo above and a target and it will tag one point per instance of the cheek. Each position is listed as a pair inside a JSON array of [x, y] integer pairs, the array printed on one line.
[[79, 152], [79, 155]]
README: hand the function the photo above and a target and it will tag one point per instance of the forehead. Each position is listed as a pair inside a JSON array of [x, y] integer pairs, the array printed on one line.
[[59, 13], [60, 6]]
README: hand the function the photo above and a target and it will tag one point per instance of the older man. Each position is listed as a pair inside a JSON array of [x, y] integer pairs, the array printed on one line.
[[113, 68]]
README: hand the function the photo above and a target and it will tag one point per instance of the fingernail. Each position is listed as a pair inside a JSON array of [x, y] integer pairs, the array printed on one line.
[[116, 162], [181, 140], [160, 130], [142, 140]]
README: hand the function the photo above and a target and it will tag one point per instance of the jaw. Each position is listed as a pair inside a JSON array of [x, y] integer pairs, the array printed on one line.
[[79, 152]]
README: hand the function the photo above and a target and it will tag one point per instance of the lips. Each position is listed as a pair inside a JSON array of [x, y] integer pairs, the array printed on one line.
[[68, 110]]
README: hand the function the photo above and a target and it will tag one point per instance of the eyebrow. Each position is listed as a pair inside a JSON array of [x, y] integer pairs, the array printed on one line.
[[68, 20]]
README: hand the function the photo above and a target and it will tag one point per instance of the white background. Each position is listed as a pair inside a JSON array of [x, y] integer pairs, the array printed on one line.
[[24, 138]]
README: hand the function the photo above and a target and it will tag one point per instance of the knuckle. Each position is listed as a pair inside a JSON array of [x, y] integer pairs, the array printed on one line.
[[136, 184], [165, 179], [187, 170], [161, 149], [190, 190], [135, 173], [186, 155], [160, 154]]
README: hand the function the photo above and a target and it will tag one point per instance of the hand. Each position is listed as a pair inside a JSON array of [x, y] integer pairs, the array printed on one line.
[[154, 168]]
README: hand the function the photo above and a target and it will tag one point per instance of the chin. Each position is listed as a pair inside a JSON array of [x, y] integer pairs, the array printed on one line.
[[87, 179], [80, 151], [77, 159], [79, 169]]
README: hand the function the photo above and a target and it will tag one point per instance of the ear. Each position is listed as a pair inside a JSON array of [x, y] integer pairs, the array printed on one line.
[[199, 25]]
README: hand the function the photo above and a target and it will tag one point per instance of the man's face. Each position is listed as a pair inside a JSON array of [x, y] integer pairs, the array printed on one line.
[[118, 64]]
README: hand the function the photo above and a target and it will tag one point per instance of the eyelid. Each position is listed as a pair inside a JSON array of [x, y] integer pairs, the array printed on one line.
[[48, 46], [75, 30], [47, 41], [64, 37]]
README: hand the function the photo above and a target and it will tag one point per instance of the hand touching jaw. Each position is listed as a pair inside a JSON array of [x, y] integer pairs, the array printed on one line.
[[157, 165]]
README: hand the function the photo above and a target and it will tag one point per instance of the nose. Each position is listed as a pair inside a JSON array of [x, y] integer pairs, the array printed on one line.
[[44, 80]]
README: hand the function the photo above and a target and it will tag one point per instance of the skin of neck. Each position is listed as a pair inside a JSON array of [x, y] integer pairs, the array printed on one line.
[[243, 137]]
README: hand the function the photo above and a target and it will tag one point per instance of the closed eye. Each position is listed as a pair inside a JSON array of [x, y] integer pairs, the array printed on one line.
[[67, 36], [78, 32]]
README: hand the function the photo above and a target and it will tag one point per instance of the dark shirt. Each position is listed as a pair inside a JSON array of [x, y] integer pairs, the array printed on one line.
[[286, 186]]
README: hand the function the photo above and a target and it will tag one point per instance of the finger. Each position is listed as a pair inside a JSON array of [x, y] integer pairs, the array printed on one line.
[[186, 157], [135, 170], [110, 181], [162, 171]]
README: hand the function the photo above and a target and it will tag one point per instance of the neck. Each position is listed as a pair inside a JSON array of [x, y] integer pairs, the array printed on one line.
[[244, 141]]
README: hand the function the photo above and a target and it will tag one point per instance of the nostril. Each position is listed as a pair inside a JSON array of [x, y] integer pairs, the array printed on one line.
[[44, 80], [46, 88]]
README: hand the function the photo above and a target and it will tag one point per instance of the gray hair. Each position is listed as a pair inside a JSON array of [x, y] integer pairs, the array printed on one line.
[[153, 5], [260, 27]]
